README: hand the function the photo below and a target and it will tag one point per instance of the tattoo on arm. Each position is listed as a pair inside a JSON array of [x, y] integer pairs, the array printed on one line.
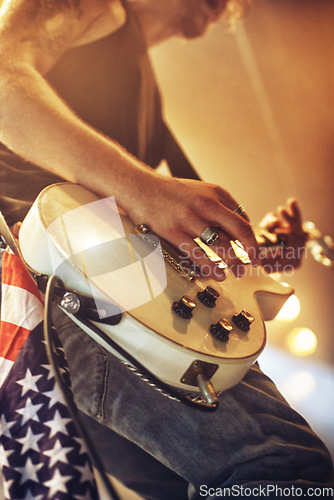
[[50, 23]]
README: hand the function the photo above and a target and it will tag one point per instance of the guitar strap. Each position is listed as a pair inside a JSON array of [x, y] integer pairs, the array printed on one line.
[[7, 239]]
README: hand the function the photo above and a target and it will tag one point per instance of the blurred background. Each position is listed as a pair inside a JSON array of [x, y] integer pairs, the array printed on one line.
[[253, 109]]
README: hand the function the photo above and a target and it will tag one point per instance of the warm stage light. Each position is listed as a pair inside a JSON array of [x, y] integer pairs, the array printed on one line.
[[290, 310], [299, 386], [302, 341]]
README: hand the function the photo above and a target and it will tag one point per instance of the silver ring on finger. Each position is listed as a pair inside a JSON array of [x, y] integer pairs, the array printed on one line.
[[239, 210], [210, 235]]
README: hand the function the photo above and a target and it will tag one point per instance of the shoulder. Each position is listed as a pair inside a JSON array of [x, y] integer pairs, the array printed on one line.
[[40, 31]]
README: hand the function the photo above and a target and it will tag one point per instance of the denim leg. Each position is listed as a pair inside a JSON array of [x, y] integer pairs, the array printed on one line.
[[123, 459], [133, 466], [254, 438]]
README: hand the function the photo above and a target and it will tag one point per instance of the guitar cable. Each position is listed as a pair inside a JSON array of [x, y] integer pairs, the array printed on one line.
[[49, 336], [54, 283], [134, 364], [136, 367]]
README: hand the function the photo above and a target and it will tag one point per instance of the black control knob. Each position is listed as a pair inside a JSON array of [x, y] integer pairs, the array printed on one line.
[[243, 320], [221, 330], [184, 307], [208, 297]]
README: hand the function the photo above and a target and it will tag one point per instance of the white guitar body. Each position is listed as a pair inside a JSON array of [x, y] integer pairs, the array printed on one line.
[[67, 232]]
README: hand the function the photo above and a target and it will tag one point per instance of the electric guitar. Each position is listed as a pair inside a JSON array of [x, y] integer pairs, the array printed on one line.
[[191, 332]]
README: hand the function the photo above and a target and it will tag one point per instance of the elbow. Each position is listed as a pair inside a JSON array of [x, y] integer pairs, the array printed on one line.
[[7, 90], [13, 93]]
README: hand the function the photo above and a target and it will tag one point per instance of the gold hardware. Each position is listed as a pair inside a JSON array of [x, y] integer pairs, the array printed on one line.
[[182, 265], [247, 315]]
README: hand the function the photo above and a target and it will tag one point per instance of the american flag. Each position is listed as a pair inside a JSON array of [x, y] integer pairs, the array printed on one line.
[[41, 454]]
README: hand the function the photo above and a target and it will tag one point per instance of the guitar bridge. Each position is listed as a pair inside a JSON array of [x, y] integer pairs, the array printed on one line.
[[182, 265]]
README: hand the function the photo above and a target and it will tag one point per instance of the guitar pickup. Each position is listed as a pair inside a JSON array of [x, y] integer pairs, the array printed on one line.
[[182, 265]]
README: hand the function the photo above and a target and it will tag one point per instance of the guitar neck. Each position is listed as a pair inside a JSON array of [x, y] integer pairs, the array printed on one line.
[[321, 247], [266, 238]]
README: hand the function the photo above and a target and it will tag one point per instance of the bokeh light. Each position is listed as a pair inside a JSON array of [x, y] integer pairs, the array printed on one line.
[[302, 341], [290, 310]]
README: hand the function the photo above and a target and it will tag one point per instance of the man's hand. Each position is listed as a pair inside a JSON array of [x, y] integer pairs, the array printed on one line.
[[287, 223], [179, 210]]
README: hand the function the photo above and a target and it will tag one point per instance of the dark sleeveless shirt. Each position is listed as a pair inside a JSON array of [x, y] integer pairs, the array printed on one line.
[[110, 84]]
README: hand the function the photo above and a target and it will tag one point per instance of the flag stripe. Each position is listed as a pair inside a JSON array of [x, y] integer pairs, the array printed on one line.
[[13, 272], [12, 339], [5, 367], [20, 307]]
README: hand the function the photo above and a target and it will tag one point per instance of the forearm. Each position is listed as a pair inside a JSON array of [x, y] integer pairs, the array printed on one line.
[[36, 124]]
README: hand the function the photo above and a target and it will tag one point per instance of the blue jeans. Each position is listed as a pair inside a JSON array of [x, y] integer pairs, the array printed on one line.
[[166, 450]]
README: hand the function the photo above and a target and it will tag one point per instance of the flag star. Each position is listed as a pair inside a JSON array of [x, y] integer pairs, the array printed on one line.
[[50, 369], [29, 442], [30, 496], [29, 471], [86, 472], [29, 411], [82, 444], [57, 483], [57, 453], [4, 454], [55, 396], [29, 382], [58, 424], [5, 426]]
